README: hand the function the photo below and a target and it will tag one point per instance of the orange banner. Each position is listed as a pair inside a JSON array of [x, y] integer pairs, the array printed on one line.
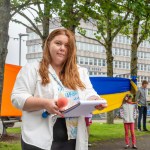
[[7, 109]]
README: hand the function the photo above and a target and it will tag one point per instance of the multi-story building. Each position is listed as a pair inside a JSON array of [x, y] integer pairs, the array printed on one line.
[[91, 54]]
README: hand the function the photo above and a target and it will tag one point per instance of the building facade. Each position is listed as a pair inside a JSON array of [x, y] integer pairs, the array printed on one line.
[[92, 55]]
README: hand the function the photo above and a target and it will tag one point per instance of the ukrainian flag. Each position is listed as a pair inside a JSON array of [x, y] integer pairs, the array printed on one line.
[[113, 89]]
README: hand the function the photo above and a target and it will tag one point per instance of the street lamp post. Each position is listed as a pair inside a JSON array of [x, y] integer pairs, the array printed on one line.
[[20, 36]]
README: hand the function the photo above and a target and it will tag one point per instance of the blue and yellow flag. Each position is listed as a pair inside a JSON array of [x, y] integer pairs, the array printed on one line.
[[113, 89]]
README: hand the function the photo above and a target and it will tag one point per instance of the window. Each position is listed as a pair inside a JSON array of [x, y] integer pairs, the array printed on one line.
[[124, 65], [86, 61], [113, 51], [124, 39], [120, 64], [128, 40], [90, 47], [148, 67], [31, 36], [120, 39], [116, 64], [128, 65], [85, 46], [99, 62], [116, 39], [103, 62], [142, 67], [95, 48], [145, 67], [142, 55], [138, 78], [81, 46], [90, 73], [124, 52], [148, 55], [95, 61], [99, 48], [91, 61], [81, 60], [118, 51]]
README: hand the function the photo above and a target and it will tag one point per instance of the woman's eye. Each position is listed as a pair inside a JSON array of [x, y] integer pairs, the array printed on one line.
[[58, 43]]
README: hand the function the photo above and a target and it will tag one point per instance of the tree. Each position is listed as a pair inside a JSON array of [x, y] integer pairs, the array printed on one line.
[[109, 17], [8, 8], [42, 12], [4, 24], [138, 29], [71, 12]]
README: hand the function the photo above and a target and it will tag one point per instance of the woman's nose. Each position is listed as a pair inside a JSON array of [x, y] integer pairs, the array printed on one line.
[[63, 48]]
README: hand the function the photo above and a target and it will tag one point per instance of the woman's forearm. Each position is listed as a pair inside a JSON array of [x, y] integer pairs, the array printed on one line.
[[34, 103]]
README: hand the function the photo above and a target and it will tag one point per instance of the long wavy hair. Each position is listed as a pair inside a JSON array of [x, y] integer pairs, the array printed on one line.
[[69, 74]]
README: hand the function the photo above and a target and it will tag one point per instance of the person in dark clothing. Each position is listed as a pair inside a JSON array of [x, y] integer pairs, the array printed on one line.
[[142, 105]]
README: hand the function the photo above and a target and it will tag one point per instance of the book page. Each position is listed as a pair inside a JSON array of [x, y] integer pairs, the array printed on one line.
[[82, 108]]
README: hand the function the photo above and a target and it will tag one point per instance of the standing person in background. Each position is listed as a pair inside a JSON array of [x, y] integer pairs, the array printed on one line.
[[128, 113], [142, 105], [37, 88]]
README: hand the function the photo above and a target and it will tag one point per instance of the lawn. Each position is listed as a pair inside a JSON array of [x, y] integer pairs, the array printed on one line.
[[98, 132], [11, 144], [102, 131]]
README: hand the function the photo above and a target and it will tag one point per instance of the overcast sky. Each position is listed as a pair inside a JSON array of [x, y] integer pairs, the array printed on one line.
[[13, 44]]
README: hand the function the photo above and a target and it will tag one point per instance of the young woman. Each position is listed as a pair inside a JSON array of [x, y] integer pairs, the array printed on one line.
[[38, 86]]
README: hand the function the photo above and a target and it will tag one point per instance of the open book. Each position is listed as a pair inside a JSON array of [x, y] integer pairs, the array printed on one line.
[[82, 108]]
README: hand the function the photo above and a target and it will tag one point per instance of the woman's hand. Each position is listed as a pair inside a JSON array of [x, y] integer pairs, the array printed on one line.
[[99, 107], [52, 108]]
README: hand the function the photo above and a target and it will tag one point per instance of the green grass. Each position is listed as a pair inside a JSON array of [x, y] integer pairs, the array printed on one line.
[[98, 132], [14, 145], [102, 131], [14, 130]]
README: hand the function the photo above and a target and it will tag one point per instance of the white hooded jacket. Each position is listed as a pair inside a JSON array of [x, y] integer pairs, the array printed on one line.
[[128, 112], [36, 130]]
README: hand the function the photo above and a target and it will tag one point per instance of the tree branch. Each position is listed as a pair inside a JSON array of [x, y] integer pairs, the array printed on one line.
[[34, 10], [39, 8], [31, 12], [18, 8], [120, 25], [141, 38], [32, 23], [17, 21], [92, 39]]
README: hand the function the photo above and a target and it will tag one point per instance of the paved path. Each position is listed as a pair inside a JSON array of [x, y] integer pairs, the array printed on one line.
[[143, 143]]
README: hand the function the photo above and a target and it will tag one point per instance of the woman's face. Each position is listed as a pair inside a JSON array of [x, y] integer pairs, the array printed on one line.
[[58, 50], [129, 99]]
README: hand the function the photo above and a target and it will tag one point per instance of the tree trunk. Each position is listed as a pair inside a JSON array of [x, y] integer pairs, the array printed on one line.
[[72, 28], [110, 114], [46, 21], [4, 24], [134, 47], [134, 58]]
